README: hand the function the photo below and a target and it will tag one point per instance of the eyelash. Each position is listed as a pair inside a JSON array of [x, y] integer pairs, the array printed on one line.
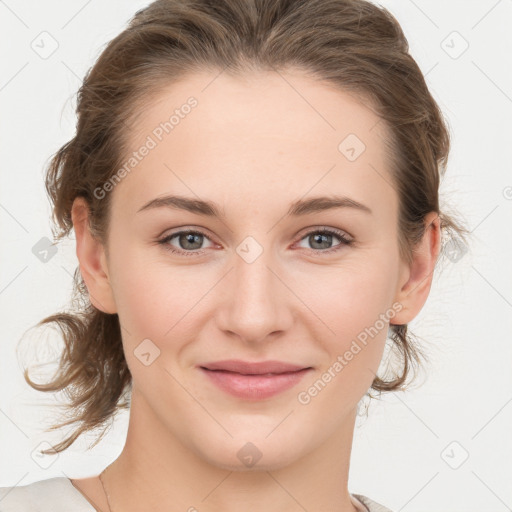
[[339, 234]]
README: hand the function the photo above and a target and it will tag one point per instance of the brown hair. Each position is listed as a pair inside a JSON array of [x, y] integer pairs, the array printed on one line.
[[352, 44]]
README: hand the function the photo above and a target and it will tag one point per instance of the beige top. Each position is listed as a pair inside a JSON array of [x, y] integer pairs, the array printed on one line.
[[60, 495]]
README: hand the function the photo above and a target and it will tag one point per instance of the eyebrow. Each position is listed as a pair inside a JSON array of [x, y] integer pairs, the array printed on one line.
[[297, 208]]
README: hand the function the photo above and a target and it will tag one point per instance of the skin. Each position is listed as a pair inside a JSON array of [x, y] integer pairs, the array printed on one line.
[[253, 145]]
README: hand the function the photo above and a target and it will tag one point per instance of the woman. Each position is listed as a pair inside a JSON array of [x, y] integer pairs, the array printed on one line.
[[254, 192]]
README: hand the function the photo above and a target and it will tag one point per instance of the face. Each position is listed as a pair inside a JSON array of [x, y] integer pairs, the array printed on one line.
[[259, 280]]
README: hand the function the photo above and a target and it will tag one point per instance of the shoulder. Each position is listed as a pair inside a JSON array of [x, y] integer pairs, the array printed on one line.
[[371, 505], [53, 495]]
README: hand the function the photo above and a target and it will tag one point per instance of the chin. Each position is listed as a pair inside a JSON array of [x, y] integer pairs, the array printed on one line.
[[251, 452]]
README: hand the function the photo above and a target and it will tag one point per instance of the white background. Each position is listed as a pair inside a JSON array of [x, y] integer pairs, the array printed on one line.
[[399, 454]]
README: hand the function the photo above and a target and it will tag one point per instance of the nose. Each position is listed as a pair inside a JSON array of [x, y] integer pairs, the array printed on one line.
[[257, 302]]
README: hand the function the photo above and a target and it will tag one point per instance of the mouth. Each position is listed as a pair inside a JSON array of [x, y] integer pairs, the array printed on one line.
[[254, 381], [256, 368]]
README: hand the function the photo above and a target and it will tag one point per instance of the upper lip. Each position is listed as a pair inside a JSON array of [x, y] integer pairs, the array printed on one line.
[[257, 368]]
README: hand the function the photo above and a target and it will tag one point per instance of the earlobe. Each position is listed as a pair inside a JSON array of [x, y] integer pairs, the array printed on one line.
[[93, 262], [413, 294]]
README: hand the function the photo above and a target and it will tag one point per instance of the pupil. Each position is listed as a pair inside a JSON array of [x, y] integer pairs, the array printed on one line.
[[319, 237], [191, 238]]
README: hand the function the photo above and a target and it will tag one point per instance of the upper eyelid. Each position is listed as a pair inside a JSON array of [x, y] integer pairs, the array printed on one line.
[[187, 230]]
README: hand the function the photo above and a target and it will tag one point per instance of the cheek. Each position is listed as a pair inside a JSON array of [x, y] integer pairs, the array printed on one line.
[[357, 314], [355, 307], [350, 299], [157, 302], [149, 294]]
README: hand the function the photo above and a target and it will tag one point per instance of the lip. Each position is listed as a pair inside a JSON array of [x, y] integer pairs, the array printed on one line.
[[253, 381], [256, 368]]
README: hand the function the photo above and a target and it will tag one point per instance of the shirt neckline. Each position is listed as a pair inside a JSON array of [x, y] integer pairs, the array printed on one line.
[[361, 506], [82, 496]]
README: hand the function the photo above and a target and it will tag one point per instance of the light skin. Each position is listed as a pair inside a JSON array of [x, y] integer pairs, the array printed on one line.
[[253, 146]]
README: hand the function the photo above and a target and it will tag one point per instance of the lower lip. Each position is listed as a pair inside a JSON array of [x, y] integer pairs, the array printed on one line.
[[254, 387]]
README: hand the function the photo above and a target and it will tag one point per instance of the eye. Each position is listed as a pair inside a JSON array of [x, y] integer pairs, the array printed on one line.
[[319, 238], [190, 241]]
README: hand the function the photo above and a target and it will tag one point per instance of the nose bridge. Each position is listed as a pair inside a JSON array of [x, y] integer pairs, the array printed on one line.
[[256, 305], [252, 274]]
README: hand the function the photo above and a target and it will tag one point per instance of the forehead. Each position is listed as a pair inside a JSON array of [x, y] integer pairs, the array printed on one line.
[[213, 134]]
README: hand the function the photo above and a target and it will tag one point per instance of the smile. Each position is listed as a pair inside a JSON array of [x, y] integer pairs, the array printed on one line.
[[254, 386]]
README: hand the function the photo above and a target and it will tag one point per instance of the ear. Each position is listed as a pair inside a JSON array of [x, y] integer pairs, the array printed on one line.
[[92, 258], [416, 277]]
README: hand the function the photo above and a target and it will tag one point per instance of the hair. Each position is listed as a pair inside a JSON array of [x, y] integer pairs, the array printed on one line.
[[354, 45]]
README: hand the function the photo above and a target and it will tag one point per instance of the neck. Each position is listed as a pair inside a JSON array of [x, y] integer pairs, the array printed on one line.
[[155, 471]]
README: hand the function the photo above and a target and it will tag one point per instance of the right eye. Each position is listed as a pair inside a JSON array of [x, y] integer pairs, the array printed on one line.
[[185, 238]]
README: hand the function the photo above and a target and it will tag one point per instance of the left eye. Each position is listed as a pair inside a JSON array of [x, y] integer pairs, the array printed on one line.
[[190, 241], [322, 236]]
